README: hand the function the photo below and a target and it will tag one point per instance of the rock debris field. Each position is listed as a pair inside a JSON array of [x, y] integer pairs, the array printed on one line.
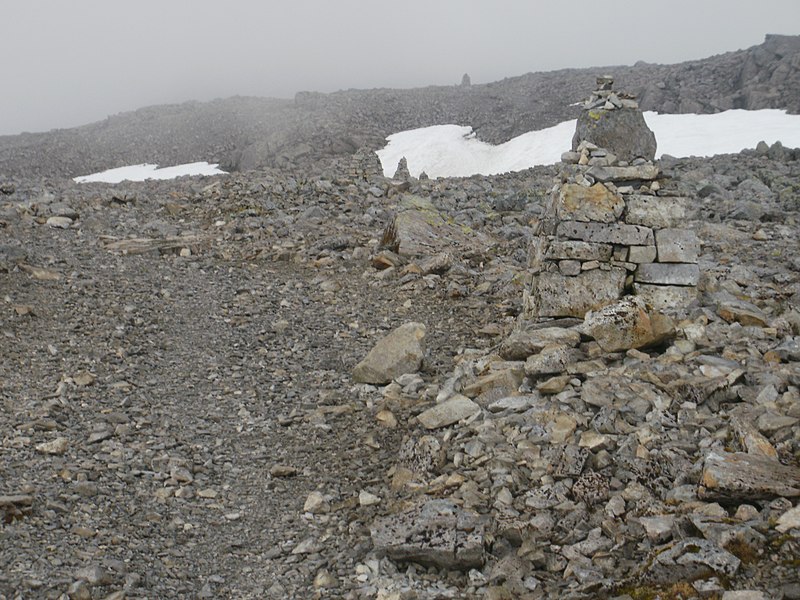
[[183, 415]]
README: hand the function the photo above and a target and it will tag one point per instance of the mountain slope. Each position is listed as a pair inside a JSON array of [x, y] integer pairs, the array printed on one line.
[[242, 133]]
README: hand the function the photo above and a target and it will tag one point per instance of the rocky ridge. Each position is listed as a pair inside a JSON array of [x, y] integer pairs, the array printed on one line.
[[247, 133], [180, 415]]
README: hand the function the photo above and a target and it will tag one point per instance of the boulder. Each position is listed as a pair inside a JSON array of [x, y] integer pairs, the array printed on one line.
[[448, 412], [398, 353], [419, 229], [627, 324], [621, 131]]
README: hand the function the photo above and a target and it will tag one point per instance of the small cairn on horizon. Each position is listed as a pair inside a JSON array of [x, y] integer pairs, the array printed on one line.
[[609, 229]]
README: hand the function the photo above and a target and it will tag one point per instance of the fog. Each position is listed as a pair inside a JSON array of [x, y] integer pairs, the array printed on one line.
[[71, 63]]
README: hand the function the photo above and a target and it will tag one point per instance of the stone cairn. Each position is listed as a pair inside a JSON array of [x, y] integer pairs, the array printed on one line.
[[609, 229], [365, 165]]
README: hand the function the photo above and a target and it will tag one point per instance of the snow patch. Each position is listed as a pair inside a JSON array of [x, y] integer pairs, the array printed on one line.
[[149, 171], [454, 151]]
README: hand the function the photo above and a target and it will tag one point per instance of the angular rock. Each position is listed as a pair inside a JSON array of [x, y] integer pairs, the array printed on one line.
[[668, 274], [551, 360], [627, 324], [437, 534], [448, 412], [740, 477], [642, 254], [553, 295], [665, 297], [606, 233], [691, 559], [596, 203], [637, 173], [419, 230], [789, 520], [623, 132], [656, 212], [398, 353], [739, 311], [522, 344], [677, 246]]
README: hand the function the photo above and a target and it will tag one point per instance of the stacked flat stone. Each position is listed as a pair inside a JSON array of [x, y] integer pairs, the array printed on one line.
[[365, 165], [608, 228]]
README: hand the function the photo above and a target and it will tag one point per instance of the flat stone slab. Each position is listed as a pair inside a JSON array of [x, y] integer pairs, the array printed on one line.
[[665, 297], [606, 233], [553, 295], [575, 202], [642, 254], [437, 534], [668, 274], [655, 211], [677, 246], [521, 344], [640, 173], [578, 250], [448, 412], [740, 477]]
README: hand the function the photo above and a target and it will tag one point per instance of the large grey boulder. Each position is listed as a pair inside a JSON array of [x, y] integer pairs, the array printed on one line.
[[398, 353], [621, 131]]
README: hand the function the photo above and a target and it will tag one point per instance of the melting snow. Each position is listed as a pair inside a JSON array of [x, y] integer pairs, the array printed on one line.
[[454, 151], [147, 171]]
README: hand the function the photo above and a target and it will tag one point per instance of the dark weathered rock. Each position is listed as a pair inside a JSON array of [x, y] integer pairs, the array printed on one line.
[[621, 131], [742, 477], [437, 534]]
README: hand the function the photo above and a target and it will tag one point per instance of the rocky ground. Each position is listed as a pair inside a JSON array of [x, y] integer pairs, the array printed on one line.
[[180, 416]]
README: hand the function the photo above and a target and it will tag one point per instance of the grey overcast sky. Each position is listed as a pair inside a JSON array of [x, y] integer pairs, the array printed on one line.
[[71, 62]]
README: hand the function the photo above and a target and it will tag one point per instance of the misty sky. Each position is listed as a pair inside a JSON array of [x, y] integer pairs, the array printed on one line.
[[71, 62]]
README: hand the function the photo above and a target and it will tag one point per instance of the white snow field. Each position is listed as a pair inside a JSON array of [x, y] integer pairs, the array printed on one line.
[[454, 151], [147, 171]]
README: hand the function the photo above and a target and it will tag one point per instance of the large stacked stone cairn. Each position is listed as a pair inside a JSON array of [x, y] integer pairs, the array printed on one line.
[[609, 229]]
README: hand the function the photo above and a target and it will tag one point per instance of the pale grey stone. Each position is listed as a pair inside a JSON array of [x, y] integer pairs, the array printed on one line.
[[646, 172], [577, 250], [627, 324], [743, 477], [668, 274], [522, 344], [569, 268], [606, 233], [665, 297], [657, 212], [553, 359], [642, 254], [399, 352], [448, 412], [438, 534], [659, 528], [677, 246], [553, 295], [690, 559]]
